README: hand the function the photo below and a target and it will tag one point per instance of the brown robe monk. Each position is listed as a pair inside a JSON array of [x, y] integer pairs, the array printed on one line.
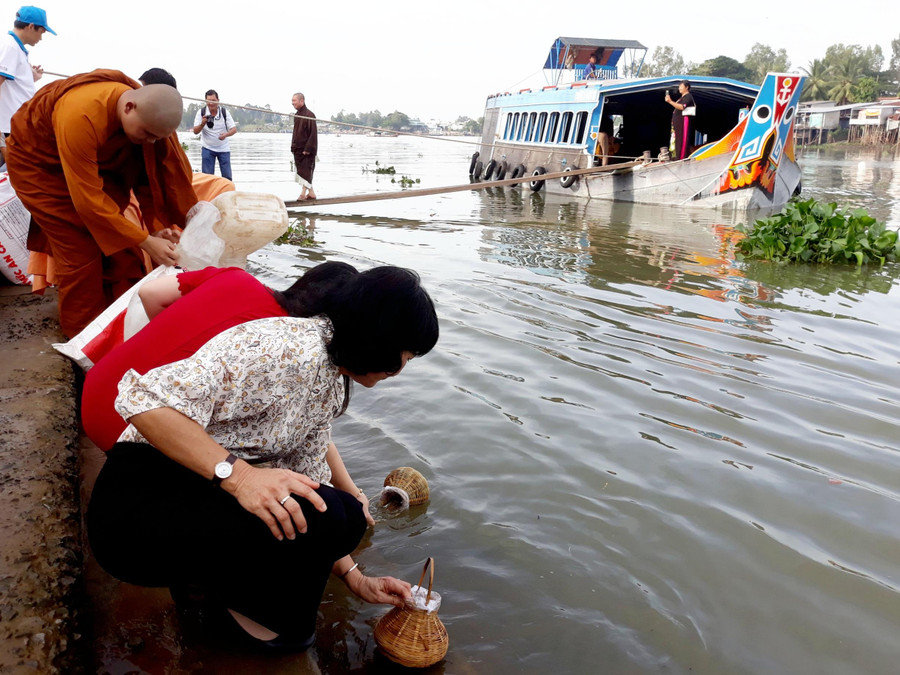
[[304, 145], [74, 169]]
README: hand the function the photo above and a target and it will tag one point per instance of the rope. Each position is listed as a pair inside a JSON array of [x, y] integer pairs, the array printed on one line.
[[343, 124], [423, 192], [378, 196], [449, 139]]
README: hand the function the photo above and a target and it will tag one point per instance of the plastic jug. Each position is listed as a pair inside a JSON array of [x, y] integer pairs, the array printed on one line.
[[249, 221]]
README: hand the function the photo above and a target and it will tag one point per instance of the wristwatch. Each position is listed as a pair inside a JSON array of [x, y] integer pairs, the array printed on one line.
[[223, 469]]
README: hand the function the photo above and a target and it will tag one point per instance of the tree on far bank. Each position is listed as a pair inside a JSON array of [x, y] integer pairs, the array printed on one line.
[[846, 68], [473, 127], [817, 81], [396, 121], [664, 62], [868, 59], [865, 90], [724, 66], [894, 67], [763, 59]]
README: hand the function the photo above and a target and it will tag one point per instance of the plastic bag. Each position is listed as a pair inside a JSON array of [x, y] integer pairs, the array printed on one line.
[[14, 219], [200, 246], [108, 329]]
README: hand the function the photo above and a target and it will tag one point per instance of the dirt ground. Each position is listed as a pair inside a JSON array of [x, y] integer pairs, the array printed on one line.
[[40, 562]]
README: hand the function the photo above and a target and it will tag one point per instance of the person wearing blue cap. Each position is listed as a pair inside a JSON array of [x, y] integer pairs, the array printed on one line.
[[17, 75]]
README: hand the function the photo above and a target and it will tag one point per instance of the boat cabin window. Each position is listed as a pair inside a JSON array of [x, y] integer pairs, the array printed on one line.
[[530, 129], [551, 127], [539, 130], [580, 122], [509, 122], [565, 128], [521, 126]]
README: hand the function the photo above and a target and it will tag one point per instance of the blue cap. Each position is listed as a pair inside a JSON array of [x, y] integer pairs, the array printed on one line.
[[35, 15]]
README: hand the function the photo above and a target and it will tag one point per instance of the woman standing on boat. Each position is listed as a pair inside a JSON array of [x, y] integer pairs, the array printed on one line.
[[682, 120]]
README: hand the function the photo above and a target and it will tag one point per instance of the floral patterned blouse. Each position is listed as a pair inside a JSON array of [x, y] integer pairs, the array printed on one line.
[[266, 390]]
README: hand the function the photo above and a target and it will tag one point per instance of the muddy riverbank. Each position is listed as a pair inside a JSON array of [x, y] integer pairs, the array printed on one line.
[[40, 565]]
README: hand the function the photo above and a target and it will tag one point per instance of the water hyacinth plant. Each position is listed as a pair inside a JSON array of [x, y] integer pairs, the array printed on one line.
[[810, 231]]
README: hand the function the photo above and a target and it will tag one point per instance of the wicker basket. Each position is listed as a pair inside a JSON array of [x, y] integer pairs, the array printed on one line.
[[412, 635], [405, 487]]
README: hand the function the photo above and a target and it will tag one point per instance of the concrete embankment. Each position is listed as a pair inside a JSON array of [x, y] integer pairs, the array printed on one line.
[[40, 522]]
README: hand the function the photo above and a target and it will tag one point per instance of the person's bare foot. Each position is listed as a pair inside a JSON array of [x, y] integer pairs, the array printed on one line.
[[255, 629]]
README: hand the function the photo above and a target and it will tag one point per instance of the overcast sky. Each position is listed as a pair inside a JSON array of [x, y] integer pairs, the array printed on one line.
[[425, 58]]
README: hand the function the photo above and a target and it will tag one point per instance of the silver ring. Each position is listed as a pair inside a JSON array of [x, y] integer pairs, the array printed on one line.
[[284, 500]]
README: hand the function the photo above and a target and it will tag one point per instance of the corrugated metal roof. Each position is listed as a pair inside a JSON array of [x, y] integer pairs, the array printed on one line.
[[579, 49], [591, 42]]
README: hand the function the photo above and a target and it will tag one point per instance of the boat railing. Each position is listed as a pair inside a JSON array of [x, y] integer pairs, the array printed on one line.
[[600, 73]]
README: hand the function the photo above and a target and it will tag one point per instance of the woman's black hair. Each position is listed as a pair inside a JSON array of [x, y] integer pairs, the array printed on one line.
[[377, 314], [307, 296], [158, 76], [687, 84]]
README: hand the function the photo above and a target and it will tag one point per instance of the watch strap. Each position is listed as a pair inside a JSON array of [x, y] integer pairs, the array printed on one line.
[[231, 459]]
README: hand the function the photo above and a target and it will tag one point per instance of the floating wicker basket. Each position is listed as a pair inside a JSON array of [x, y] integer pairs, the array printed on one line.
[[405, 486], [413, 635]]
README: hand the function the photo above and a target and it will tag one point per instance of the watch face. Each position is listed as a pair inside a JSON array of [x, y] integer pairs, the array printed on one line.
[[223, 470]]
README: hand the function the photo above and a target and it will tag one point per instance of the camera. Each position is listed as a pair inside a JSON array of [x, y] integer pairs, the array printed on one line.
[[210, 119]]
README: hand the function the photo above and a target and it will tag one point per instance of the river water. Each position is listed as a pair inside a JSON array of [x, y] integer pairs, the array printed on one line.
[[643, 455]]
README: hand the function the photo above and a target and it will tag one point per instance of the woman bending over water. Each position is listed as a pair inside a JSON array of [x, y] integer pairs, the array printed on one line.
[[182, 500]]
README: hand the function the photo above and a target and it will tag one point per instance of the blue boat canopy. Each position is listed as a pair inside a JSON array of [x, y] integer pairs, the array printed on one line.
[[568, 50]]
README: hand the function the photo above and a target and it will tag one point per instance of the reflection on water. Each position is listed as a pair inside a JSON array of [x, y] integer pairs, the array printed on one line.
[[643, 455], [857, 177]]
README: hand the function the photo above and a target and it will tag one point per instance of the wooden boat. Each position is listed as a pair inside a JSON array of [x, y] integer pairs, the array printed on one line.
[[743, 144]]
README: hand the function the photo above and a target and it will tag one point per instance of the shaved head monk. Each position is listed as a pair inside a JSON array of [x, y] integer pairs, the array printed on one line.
[[77, 150]]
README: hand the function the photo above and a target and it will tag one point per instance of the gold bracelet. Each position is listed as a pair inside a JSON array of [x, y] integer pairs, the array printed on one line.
[[359, 492]]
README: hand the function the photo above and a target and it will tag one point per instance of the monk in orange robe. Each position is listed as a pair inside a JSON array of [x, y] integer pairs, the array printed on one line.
[[76, 152]]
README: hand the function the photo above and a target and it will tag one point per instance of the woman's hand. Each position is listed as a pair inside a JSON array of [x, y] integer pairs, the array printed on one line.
[[378, 590], [361, 496], [262, 492]]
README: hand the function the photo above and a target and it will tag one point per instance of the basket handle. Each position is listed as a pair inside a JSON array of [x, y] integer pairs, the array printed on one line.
[[428, 562]]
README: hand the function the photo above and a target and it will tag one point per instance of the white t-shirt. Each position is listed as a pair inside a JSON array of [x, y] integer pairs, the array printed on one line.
[[209, 138], [18, 78]]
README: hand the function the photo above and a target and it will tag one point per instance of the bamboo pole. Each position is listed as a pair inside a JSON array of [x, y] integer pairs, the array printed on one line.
[[424, 192]]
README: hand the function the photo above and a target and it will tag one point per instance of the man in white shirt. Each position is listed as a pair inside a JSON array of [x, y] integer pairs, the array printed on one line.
[[215, 125], [17, 75]]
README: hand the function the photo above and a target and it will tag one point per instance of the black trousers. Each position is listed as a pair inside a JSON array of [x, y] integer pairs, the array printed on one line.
[[152, 522]]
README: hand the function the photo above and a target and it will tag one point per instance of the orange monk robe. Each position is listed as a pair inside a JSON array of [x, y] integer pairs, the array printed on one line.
[[42, 267], [74, 169]]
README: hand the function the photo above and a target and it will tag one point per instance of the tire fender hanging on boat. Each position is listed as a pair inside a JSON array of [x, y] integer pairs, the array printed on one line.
[[536, 185], [476, 174], [568, 181], [501, 171], [518, 172], [489, 169], [472, 163]]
